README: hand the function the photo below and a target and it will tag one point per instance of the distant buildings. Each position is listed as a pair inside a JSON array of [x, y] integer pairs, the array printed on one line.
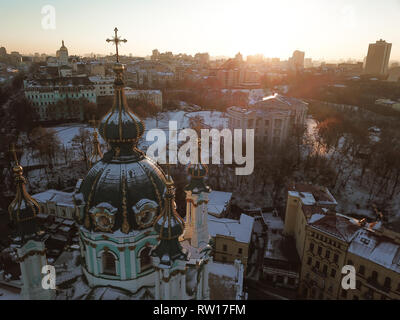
[[97, 69], [104, 86], [388, 103], [296, 62], [62, 55], [202, 58], [394, 74], [150, 96], [235, 74], [378, 58], [149, 74], [59, 98], [273, 118]]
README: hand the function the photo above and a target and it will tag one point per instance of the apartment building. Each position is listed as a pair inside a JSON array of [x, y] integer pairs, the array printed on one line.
[[59, 98]]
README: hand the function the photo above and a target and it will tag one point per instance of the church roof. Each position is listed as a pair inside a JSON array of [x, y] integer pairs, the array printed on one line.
[[125, 178]]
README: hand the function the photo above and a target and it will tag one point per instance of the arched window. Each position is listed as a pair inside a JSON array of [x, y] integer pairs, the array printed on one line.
[[145, 259], [108, 261]]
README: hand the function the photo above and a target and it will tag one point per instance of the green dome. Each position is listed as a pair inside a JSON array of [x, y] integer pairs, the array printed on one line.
[[120, 124], [23, 209], [131, 189], [124, 190], [169, 226], [197, 174]]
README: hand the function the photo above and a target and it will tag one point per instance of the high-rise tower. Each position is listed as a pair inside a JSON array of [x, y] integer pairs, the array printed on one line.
[[378, 58]]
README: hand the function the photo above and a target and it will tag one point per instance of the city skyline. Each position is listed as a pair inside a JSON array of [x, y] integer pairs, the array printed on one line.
[[329, 31]]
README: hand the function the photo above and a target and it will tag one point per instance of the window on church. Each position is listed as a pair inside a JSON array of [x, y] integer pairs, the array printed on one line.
[[108, 261], [145, 259]]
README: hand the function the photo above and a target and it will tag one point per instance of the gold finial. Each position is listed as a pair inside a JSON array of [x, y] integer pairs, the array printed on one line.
[[93, 122], [117, 41], [96, 152], [169, 178]]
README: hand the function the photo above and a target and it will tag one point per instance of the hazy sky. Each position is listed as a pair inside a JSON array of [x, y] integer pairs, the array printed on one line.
[[329, 29]]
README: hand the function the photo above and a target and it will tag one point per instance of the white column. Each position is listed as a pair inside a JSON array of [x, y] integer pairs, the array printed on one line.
[[133, 263], [95, 267], [122, 264], [87, 259]]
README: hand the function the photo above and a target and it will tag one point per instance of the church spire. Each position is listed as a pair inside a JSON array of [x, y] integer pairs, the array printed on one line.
[[120, 127], [198, 171], [97, 155], [169, 225], [23, 209]]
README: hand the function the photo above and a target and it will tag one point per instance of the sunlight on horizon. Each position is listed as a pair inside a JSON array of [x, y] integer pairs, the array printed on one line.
[[322, 29]]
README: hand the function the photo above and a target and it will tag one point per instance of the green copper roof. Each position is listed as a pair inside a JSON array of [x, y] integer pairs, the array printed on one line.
[[169, 226], [120, 125], [23, 209], [124, 176]]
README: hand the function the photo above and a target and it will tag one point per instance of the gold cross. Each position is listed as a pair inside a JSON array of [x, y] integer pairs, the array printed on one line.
[[117, 41]]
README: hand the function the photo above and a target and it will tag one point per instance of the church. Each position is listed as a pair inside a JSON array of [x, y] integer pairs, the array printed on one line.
[[130, 235]]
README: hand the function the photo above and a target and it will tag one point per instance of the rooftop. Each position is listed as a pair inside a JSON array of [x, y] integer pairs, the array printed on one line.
[[218, 202], [339, 226], [239, 230], [61, 198], [379, 249]]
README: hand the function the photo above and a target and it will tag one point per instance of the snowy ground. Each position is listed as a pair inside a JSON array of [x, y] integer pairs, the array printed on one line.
[[8, 293]]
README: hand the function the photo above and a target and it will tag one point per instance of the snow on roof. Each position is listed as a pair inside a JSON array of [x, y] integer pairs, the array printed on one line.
[[218, 202], [65, 229], [315, 217], [59, 197], [337, 225], [240, 230], [223, 269], [273, 222], [306, 197], [377, 249]]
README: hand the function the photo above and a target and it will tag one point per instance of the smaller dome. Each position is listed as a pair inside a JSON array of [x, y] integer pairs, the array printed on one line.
[[198, 170], [169, 225], [120, 124], [23, 209]]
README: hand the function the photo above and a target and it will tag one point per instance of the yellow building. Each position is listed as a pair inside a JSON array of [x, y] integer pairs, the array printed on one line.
[[326, 243], [231, 238], [375, 254], [303, 201]]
